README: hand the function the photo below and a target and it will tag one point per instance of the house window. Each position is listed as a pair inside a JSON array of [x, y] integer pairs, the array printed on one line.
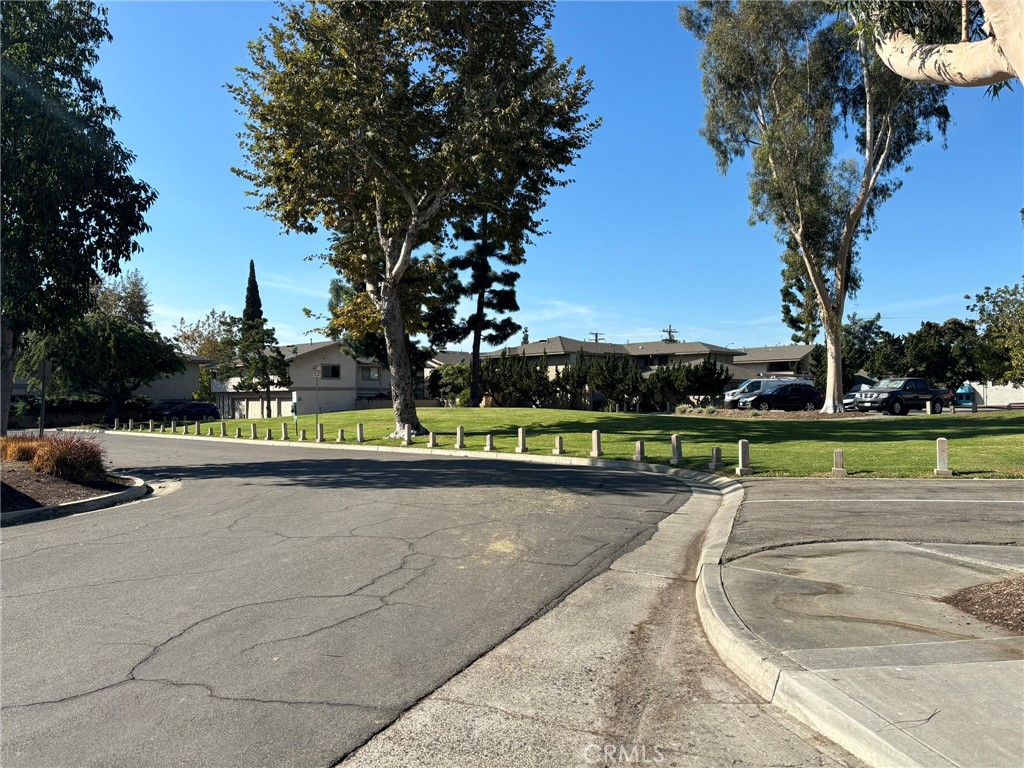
[[332, 371], [369, 374]]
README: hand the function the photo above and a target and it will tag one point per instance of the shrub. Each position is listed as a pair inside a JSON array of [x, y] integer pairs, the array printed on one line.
[[71, 457], [711, 410], [19, 448], [683, 408]]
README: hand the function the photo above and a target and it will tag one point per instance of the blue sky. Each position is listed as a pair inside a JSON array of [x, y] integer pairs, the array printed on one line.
[[650, 234]]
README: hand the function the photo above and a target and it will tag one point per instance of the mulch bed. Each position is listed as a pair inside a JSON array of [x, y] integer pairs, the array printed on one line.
[[21, 487], [998, 602]]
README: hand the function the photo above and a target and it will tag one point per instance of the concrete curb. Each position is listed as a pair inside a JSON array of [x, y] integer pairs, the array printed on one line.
[[137, 490], [804, 694]]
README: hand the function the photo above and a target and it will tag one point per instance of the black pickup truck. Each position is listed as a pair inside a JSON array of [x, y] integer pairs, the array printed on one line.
[[898, 396]]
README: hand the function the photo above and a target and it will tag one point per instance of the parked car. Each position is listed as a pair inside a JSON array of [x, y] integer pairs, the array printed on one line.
[[898, 396], [850, 398], [787, 397], [753, 386], [188, 412]]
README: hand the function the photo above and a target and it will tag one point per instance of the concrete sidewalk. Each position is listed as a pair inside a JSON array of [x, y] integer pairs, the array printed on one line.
[[849, 636]]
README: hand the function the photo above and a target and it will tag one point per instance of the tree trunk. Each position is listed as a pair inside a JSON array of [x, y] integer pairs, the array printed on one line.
[[474, 359], [402, 395], [834, 356], [8, 345]]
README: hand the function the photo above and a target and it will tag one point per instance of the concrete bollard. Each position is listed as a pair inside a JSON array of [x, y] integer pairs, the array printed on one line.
[[117, 424], [319, 433], [284, 431], [174, 426], [302, 435], [974, 405], [558, 450], [744, 467], [716, 459], [184, 429], [162, 429], [521, 441], [199, 429], [209, 431], [432, 440], [252, 431], [942, 458], [838, 466], [489, 443], [595, 443], [270, 433], [460, 438], [131, 425], [238, 433], [639, 454], [677, 451], [407, 435], [150, 425], [223, 429], [360, 436], [341, 435], [928, 408]]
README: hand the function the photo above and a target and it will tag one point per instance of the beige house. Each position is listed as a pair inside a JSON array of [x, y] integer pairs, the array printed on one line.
[[324, 379]]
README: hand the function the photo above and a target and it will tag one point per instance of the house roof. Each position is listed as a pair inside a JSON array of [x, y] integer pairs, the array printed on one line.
[[784, 352], [444, 357], [678, 348], [292, 351]]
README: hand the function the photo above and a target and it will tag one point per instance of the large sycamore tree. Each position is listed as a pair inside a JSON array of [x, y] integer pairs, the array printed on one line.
[[70, 208], [828, 127], [377, 121]]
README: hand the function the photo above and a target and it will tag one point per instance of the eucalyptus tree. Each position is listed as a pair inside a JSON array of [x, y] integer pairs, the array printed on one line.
[[785, 82], [947, 42], [71, 209], [377, 122]]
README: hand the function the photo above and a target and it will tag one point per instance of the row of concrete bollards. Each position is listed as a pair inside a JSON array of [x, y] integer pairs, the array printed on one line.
[[743, 466]]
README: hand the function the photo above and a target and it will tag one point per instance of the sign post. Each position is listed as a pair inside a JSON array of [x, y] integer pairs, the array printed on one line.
[[316, 413]]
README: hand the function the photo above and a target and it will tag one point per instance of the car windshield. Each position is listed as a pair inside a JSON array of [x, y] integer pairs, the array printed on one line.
[[890, 384], [770, 388]]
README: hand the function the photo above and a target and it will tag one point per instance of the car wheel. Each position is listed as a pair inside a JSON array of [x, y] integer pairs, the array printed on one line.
[[897, 408], [937, 406], [763, 405], [810, 406]]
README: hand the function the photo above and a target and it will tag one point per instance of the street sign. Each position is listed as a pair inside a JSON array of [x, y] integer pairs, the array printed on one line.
[[316, 371]]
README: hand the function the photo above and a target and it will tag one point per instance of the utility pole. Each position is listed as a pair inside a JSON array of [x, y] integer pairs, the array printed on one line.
[[671, 333], [597, 336]]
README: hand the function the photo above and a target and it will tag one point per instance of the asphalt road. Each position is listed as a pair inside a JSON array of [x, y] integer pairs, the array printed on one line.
[[279, 606]]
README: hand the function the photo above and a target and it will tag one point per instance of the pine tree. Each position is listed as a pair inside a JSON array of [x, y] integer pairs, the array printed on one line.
[[261, 362]]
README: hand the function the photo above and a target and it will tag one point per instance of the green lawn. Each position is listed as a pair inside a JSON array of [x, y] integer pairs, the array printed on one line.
[[980, 445]]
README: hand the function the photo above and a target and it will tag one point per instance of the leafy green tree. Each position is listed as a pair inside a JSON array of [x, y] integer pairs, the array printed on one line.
[[453, 381], [213, 336], [888, 358], [706, 380], [571, 384], [785, 81], [381, 122], [861, 338], [946, 42], [617, 379], [946, 354], [110, 352], [260, 365], [1001, 321], [509, 379], [71, 210]]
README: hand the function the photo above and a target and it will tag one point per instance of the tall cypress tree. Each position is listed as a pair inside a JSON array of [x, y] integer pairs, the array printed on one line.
[[262, 364]]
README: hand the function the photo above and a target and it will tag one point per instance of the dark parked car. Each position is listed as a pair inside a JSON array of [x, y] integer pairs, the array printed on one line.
[[187, 412], [897, 396], [787, 397]]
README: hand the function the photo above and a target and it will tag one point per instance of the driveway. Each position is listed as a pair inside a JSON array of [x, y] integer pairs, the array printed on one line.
[[279, 606]]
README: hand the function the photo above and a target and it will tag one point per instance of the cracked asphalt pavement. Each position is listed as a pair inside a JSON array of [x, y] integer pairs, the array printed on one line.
[[283, 605]]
